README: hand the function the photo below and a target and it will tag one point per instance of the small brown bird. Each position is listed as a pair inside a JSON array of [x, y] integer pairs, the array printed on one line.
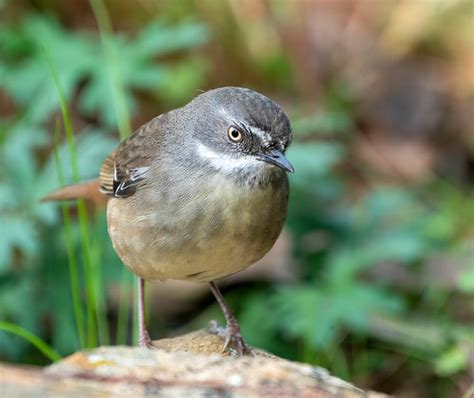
[[198, 193]]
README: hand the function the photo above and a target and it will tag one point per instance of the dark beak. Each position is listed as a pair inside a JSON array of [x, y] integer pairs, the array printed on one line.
[[277, 158]]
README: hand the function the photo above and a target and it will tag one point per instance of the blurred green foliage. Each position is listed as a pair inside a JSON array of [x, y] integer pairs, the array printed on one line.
[[384, 277], [32, 248]]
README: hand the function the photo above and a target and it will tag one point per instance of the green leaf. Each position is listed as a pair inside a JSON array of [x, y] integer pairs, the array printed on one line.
[[466, 281], [322, 122], [318, 314], [81, 60], [17, 152], [17, 233], [183, 79], [158, 39], [92, 144], [452, 361], [313, 160]]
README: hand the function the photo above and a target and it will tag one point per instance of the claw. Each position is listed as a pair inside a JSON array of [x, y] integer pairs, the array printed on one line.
[[234, 344]]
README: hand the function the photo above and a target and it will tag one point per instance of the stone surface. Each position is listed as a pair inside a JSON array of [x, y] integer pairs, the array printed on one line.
[[188, 366]]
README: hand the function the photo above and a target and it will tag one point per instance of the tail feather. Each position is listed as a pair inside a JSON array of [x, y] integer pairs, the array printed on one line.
[[82, 190]]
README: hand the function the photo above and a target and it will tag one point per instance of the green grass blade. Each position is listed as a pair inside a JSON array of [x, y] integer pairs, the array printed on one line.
[[91, 336], [123, 119], [72, 260], [41, 345], [92, 340], [124, 307], [100, 291], [113, 66]]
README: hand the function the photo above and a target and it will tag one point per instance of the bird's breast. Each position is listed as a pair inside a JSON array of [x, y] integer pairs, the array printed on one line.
[[206, 229]]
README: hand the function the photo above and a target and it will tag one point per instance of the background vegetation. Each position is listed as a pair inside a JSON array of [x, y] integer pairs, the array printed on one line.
[[380, 287]]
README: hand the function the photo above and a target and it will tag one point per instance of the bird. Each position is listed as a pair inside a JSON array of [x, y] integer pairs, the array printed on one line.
[[198, 193]]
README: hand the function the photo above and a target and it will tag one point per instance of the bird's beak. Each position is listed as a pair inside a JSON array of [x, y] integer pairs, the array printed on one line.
[[276, 158]]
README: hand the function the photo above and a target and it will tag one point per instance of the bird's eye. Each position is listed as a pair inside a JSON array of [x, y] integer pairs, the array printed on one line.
[[234, 134]]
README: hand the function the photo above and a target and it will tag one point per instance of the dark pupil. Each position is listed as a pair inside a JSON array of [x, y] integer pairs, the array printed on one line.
[[234, 134]]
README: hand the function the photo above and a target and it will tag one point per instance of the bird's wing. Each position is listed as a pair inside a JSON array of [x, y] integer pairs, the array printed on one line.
[[125, 169]]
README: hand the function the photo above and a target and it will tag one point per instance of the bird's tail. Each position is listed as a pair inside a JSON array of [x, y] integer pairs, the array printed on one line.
[[82, 190]]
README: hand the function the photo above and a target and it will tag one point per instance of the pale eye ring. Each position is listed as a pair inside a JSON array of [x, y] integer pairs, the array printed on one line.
[[234, 134]]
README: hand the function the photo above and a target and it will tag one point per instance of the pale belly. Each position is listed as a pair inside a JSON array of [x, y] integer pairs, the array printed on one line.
[[218, 235]]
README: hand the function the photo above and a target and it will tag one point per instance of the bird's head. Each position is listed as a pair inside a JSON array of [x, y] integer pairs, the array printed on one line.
[[239, 130]]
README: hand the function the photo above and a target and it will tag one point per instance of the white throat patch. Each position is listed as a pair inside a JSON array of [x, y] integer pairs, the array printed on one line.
[[225, 162]]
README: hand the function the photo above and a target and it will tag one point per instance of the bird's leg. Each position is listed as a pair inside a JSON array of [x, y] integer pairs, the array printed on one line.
[[233, 343], [143, 336]]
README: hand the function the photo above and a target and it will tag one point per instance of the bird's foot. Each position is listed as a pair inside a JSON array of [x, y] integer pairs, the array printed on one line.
[[234, 344], [145, 341]]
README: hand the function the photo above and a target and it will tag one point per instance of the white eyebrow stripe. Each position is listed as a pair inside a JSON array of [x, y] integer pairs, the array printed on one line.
[[223, 161], [262, 134]]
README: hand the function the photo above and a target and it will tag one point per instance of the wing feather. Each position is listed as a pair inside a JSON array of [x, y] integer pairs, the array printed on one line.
[[107, 174], [125, 169]]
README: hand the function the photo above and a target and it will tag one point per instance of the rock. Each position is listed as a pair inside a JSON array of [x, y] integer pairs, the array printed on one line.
[[188, 366]]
